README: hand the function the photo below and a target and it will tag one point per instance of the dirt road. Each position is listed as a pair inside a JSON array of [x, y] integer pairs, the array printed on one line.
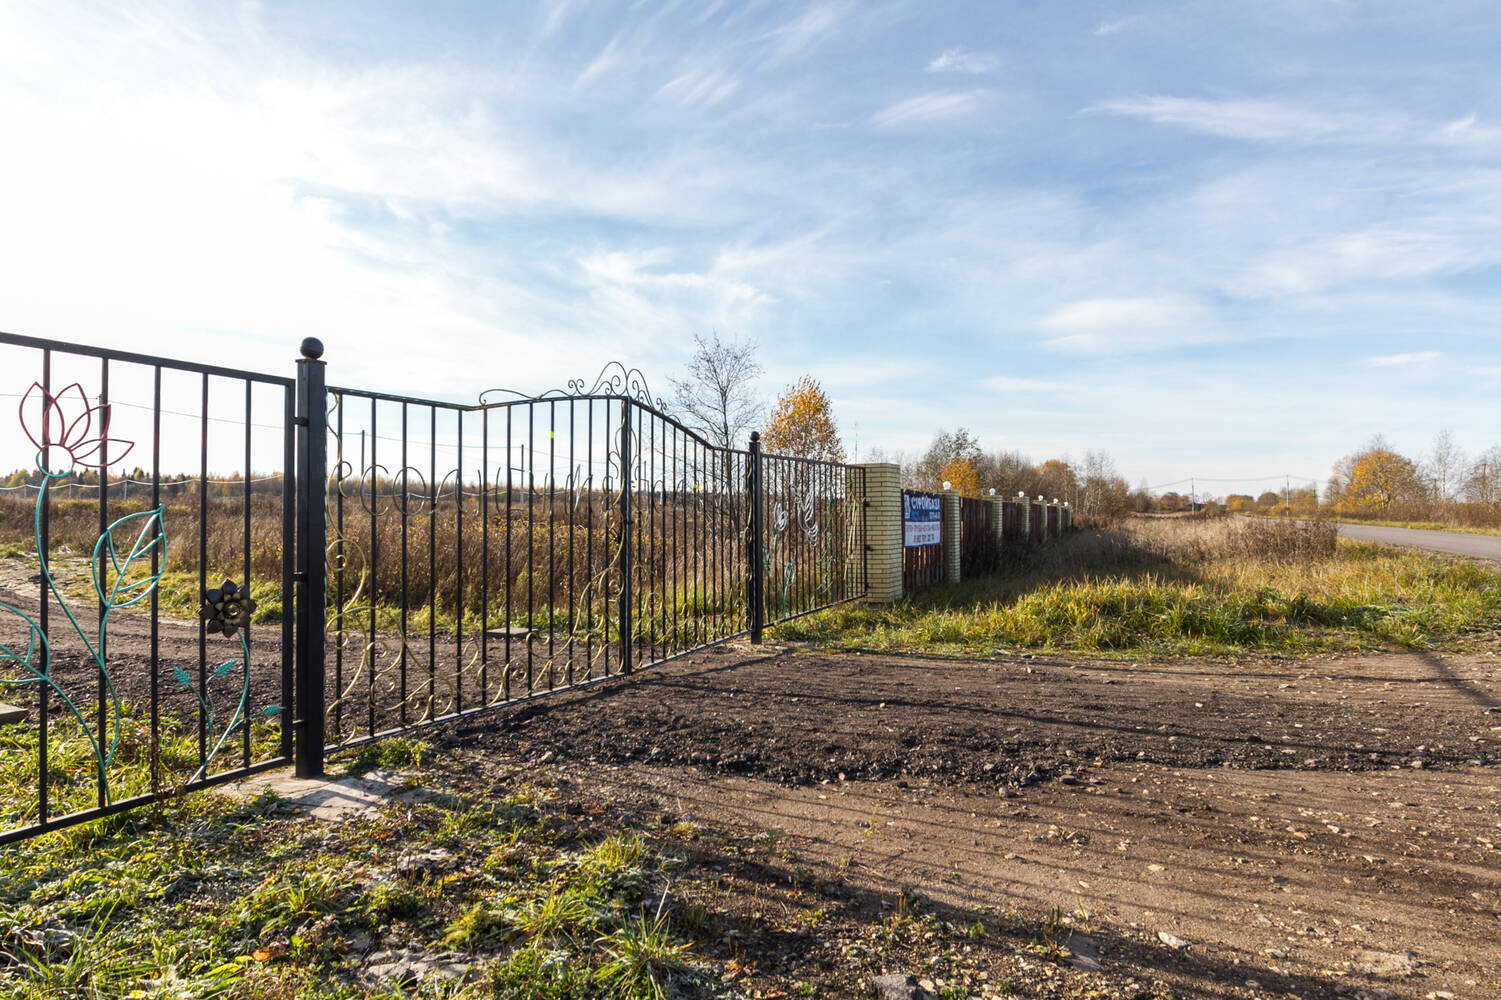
[[1310, 828]]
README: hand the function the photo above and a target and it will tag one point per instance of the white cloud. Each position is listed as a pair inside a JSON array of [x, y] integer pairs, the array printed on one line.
[[608, 59], [930, 107], [962, 61], [1121, 325], [1250, 119], [700, 88], [1468, 131], [1376, 254], [1112, 27], [806, 30], [1008, 383], [1402, 360]]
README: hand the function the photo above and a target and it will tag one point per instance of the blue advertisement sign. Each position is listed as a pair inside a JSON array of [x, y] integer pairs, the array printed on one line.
[[922, 520]]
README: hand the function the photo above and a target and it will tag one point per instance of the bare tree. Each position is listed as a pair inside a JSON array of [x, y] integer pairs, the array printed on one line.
[[718, 394], [1483, 484], [1444, 468]]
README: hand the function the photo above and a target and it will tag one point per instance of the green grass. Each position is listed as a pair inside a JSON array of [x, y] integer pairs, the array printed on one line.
[[1424, 525], [208, 897], [1168, 588]]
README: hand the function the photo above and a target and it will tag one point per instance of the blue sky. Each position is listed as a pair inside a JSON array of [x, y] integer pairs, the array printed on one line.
[[1224, 239]]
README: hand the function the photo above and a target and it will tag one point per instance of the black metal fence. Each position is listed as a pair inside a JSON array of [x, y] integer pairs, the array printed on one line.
[[343, 564], [480, 554], [978, 551], [152, 496]]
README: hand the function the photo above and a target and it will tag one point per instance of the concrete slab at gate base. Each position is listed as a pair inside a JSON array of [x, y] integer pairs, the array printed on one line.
[[12, 713], [333, 800]]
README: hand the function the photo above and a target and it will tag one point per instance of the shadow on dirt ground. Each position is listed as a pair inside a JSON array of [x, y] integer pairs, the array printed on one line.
[[1312, 827]]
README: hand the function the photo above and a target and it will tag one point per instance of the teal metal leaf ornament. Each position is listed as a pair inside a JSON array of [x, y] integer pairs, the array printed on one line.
[[128, 580]]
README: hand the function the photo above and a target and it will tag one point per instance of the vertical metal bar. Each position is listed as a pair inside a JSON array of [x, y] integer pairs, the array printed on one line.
[[484, 548], [529, 474], [608, 569], [625, 537], [312, 595], [552, 525], [156, 568], [505, 676], [677, 535], [406, 493], [755, 580], [102, 786], [653, 542], [432, 560], [44, 545], [203, 571], [458, 608], [341, 563], [572, 497], [288, 563], [245, 728], [374, 581], [589, 547], [698, 543]]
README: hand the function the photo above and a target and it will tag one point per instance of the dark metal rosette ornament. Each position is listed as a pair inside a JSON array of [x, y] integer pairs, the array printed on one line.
[[227, 608]]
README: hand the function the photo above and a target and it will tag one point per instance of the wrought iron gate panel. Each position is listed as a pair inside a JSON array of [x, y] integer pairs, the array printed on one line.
[[813, 535], [158, 489], [483, 553]]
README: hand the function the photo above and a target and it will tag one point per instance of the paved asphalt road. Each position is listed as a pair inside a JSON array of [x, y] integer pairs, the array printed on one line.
[[1483, 546]]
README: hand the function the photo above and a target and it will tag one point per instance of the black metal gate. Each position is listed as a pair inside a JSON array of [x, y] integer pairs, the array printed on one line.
[[152, 497], [483, 553], [284, 568]]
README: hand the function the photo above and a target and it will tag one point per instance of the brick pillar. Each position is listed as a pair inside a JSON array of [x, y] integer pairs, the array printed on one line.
[[883, 532], [997, 517], [1026, 506], [951, 536]]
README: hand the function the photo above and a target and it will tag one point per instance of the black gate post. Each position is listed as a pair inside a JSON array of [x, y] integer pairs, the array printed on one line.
[[312, 572], [626, 638], [755, 582]]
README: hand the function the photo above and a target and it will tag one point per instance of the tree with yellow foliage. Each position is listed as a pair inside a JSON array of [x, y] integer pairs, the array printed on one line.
[[1379, 478], [802, 424], [962, 478]]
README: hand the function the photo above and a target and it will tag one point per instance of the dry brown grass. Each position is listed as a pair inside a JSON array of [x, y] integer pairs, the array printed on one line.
[[552, 555]]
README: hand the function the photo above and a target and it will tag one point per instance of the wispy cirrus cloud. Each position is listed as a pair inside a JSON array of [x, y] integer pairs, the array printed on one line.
[[1116, 26], [808, 28], [1402, 360], [1251, 119], [936, 106], [1124, 325], [964, 61], [1009, 383]]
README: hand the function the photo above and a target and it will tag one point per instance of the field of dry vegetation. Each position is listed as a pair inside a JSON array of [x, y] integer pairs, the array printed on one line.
[[1142, 586]]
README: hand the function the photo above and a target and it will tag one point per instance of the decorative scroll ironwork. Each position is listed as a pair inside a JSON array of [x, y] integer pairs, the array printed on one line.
[[615, 379]]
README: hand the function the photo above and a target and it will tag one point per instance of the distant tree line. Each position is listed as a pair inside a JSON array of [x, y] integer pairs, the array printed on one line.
[[1445, 485]]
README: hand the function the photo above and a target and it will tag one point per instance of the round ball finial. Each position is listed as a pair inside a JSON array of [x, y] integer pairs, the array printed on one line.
[[312, 348], [755, 435]]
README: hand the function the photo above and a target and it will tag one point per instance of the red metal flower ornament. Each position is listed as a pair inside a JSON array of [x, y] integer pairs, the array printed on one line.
[[67, 422]]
